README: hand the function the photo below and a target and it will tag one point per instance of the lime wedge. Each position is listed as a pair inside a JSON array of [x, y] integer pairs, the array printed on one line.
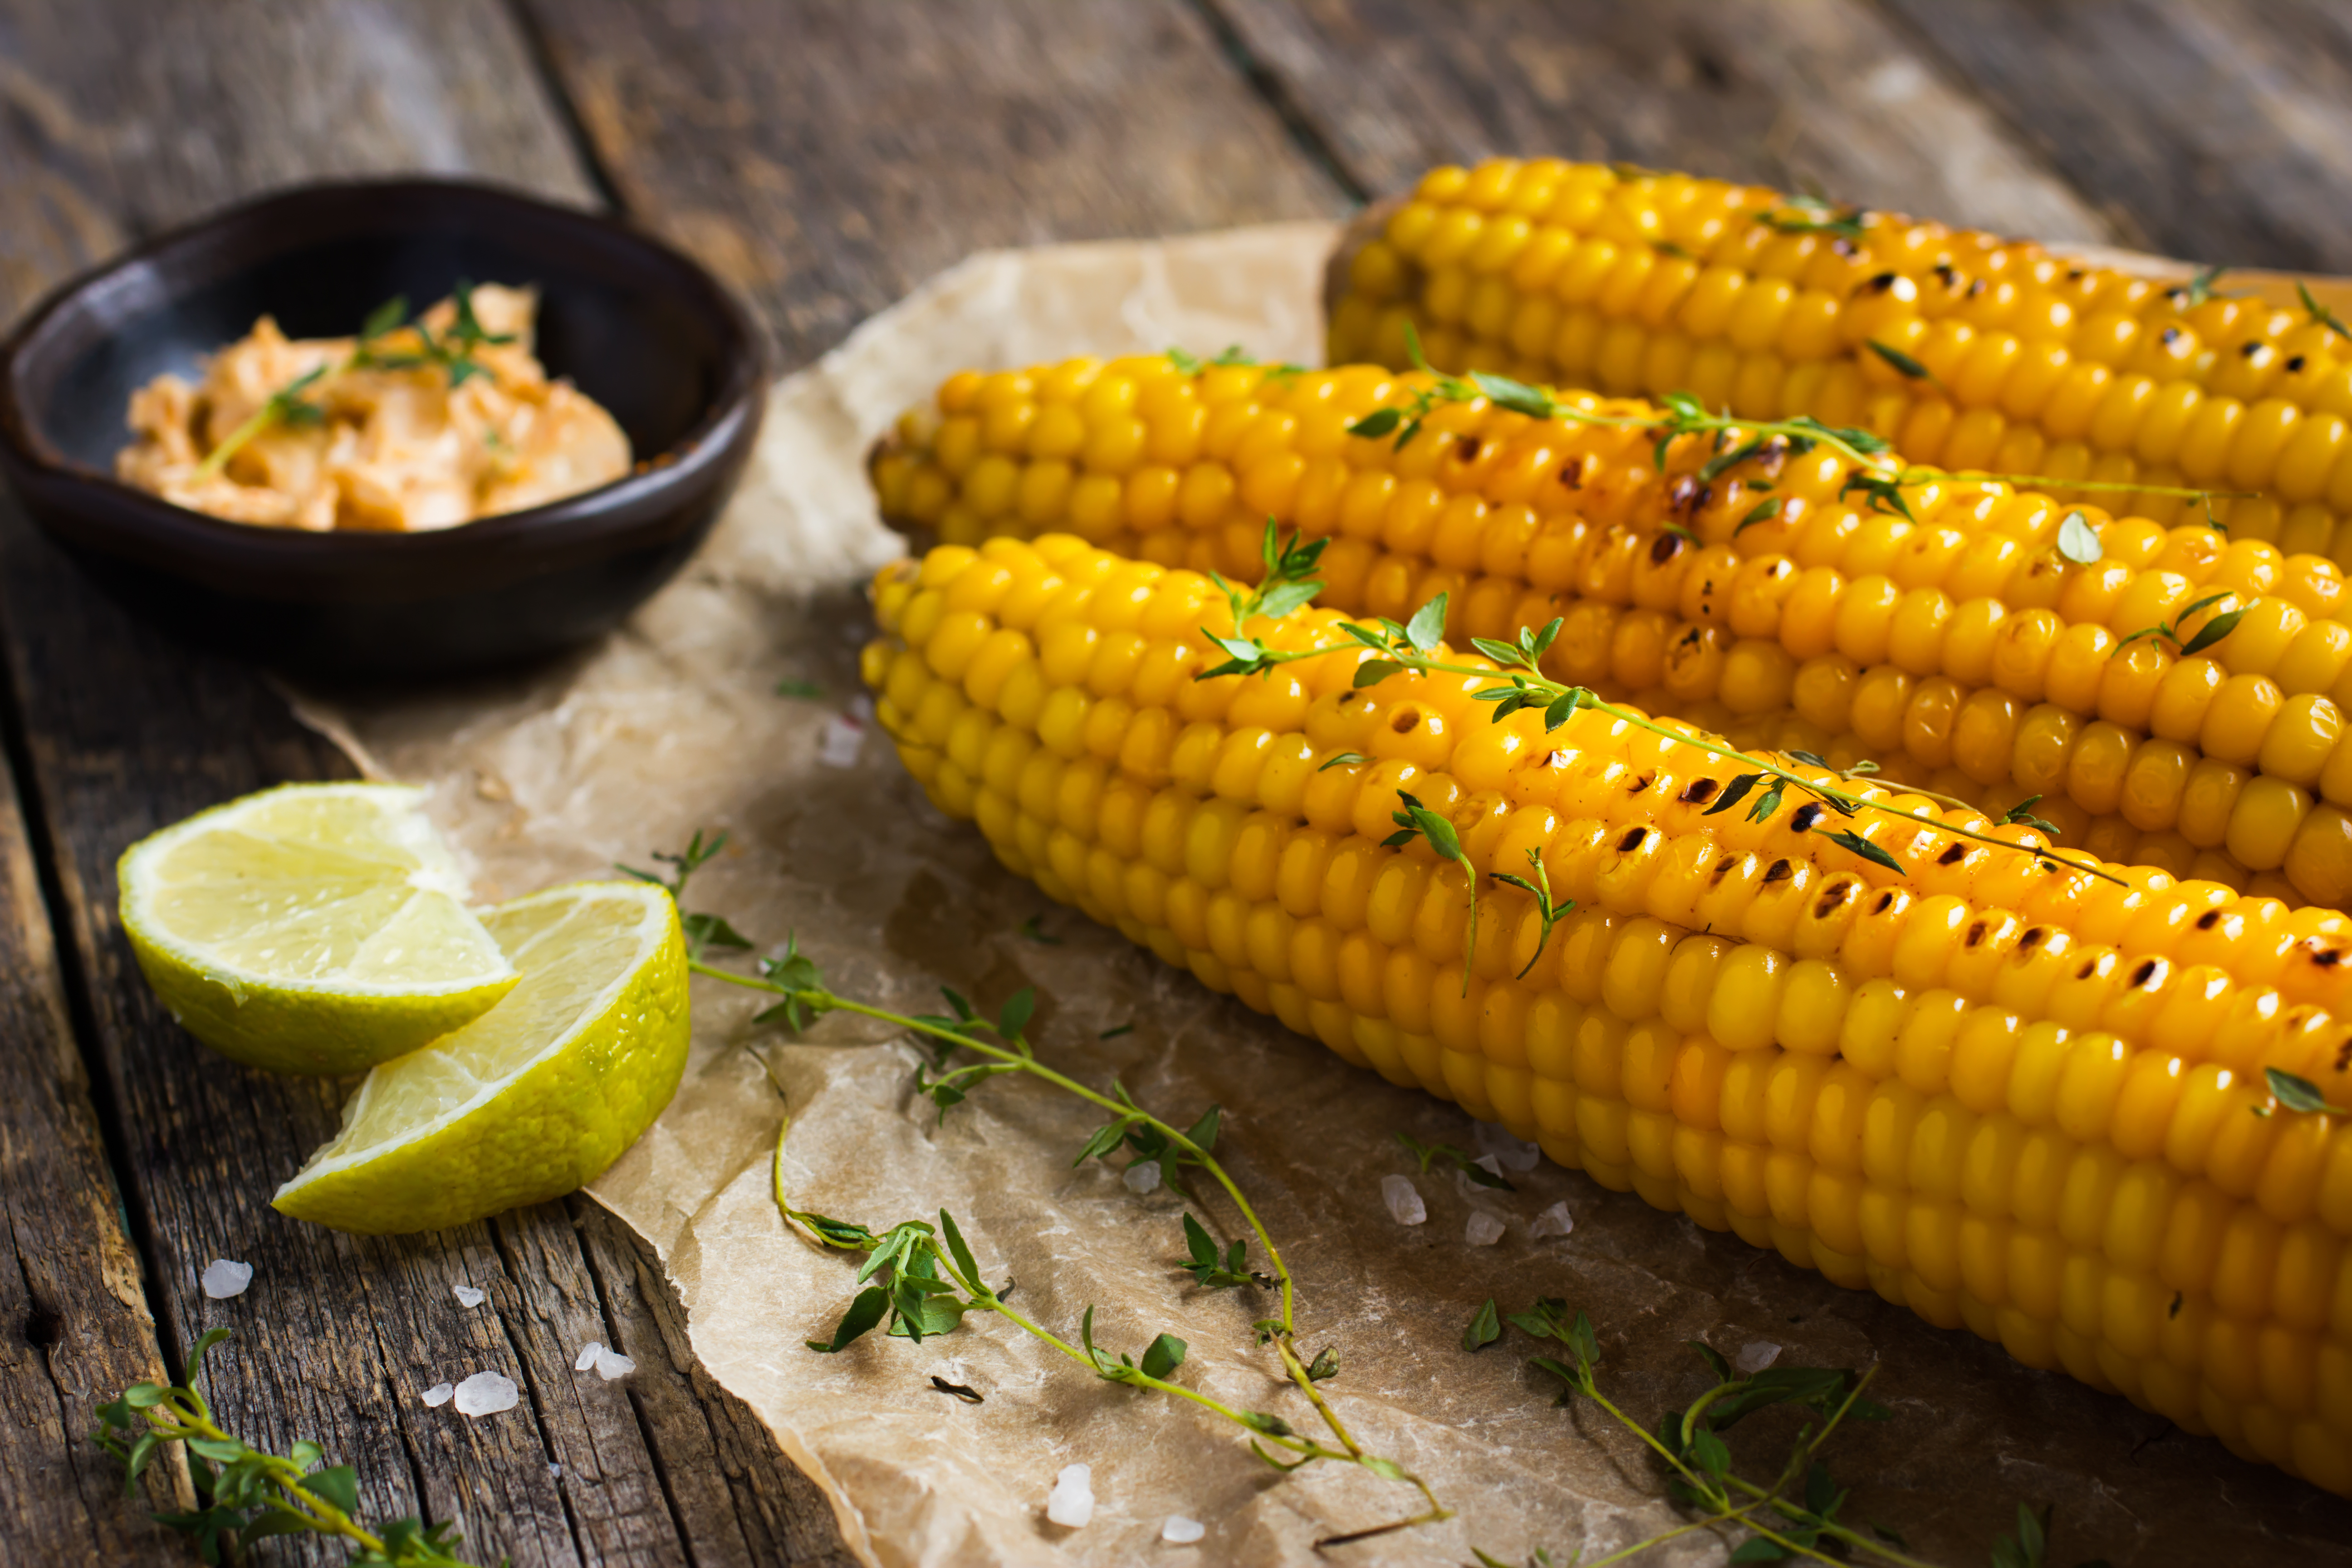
[[312, 928], [534, 1097]]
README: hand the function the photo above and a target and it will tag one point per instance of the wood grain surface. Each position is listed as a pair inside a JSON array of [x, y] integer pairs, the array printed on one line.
[[1797, 94], [115, 119], [2220, 131], [825, 157]]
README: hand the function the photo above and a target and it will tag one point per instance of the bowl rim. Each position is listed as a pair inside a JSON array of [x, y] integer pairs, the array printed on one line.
[[742, 382]]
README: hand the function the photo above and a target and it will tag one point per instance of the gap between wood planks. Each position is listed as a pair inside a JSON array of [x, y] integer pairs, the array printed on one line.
[[1264, 80]]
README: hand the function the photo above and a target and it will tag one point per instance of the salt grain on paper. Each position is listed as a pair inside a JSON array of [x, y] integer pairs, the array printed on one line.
[[468, 1295], [438, 1394], [1484, 1230], [841, 739], [611, 1365], [1143, 1176], [486, 1394], [1182, 1532], [1071, 1504], [1404, 1199], [587, 1356], [1755, 1355], [1514, 1153], [1554, 1221], [222, 1278]]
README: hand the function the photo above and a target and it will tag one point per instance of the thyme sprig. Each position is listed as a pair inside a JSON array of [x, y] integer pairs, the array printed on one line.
[[249, 1495], [1876, 475], [919, 1279], [1801, 1513], [2321, 314], [453, 352], [2197, 642], [2297, 1094], [1519, 685], [1810, 213], [1678, 413]]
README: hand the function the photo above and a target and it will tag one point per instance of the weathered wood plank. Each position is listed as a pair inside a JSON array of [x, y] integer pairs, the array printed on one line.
[[115, 118], [74, 1323], [1788, 93], [826, 158], [740, 1502], [2221, 130]]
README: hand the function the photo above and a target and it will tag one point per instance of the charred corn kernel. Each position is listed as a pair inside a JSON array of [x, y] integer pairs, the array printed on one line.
[[1856, 616], [2059, 355], [2011, 1100]]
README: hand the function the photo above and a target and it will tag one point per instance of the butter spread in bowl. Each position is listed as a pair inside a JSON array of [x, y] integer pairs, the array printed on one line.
[[415, 423]]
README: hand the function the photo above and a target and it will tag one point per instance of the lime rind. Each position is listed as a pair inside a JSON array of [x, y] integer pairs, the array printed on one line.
[[535, 1097], [288, 930]]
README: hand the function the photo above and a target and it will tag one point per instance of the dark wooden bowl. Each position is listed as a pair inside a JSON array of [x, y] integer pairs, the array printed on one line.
[[635, 325]]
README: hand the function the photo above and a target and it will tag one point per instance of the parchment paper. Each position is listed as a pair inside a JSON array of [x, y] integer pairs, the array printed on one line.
[[674, 725]]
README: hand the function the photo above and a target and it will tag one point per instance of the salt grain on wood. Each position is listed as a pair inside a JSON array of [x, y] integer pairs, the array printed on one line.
[[486, 1394], [222, 1278], [1071, 1504], [1404, 1199], [1554, 1221], [1182, 1532], [841, 739], [1755, 1355], [1484, 1230], [587, 1356], [468, 1295], [1143, 1176], [611, 1365], [438, 1394]]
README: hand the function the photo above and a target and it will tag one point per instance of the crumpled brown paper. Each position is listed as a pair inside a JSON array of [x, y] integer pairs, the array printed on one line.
[[674, 725]]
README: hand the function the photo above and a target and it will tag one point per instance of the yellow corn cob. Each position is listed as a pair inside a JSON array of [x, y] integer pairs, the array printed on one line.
[[2008, 1096], [1656, 283], [1958, 633], [2110, 836]]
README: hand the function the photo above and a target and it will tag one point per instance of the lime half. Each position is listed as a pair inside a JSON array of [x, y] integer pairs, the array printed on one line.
[[533, 1098], [312, 928]]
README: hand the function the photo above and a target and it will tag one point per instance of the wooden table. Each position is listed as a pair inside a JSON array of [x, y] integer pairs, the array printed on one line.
[[823, 158]]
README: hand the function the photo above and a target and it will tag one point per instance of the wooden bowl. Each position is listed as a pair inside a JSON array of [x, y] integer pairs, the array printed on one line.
[[633, 323]]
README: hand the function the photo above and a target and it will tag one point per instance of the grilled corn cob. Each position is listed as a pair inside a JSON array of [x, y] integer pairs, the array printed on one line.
[[1958, 632], [2003, 1093], [1634, 282]]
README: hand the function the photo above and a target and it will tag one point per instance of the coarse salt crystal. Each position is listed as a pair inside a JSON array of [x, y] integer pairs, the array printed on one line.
[[860, 708], [438, 1394], [1755, 1355], [486, 1394], [222, 1278], [611, 1365], [1404, 1199], [1143, 1176], [1071, 1504], [1182, 1532], [1514, 1153], [587, 1356], [1554, 1221], [840, 741], [1484, 1230], [554, 1471], [468, 1295]]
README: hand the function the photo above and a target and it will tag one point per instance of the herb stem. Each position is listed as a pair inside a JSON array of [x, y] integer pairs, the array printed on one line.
[[260, 419], [1844, 798], [829, 1002], [187, 1422]]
